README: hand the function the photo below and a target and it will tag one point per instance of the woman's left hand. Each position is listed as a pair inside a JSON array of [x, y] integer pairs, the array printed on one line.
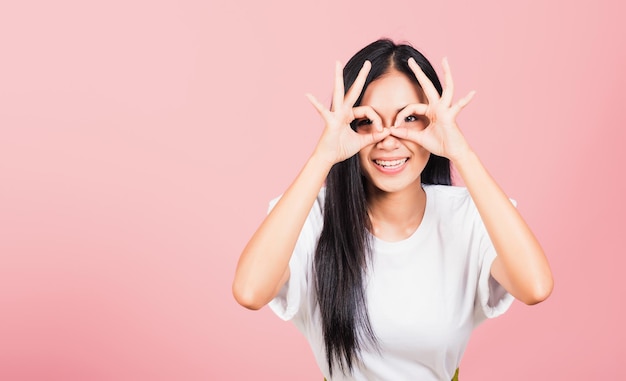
[[441, 136]]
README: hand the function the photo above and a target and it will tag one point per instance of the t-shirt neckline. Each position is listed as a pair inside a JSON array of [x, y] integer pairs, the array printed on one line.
[[397, 246]]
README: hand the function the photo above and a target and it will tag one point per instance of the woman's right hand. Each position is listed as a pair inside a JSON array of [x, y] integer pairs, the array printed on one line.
[[339, 141]]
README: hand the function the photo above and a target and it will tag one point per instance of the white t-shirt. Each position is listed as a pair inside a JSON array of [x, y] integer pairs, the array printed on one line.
[[425, 294]]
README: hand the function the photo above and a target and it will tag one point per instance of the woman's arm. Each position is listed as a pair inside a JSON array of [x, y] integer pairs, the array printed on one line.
[[263, 267], [521, 266]]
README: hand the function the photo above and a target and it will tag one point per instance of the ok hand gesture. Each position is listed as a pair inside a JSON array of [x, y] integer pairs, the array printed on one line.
[[338, 141], [442, 135]]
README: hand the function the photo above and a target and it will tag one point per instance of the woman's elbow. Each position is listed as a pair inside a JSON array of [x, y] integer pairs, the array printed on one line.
[[247, 297], [540, 292], [253, 291]]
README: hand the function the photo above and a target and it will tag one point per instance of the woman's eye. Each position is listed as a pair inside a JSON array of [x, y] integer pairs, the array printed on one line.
[[411, 118], [362, 125]]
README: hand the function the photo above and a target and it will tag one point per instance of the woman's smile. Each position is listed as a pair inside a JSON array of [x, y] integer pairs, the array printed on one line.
[[390, 165]]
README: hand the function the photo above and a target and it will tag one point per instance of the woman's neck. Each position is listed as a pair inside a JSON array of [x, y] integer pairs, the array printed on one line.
[[395, 216]]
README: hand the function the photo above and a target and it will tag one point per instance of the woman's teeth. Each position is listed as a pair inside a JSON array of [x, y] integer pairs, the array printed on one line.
[[390, 163]]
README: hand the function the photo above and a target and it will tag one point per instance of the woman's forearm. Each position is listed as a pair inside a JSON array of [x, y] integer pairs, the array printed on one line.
[[521, 266], [264, 263]]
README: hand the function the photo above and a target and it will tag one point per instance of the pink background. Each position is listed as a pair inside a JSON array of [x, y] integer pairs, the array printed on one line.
[[140, 142]]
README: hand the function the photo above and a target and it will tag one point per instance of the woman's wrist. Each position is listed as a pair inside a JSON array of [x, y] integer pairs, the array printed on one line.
[[467, 164], [462, 156], [320, 161]]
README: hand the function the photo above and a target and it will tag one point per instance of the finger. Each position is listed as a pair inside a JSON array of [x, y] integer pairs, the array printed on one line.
[[374, 137], [369, 113], [429, 89], [355, 90], [318, 106], [412, 109], [408, 134], [338, 90], [448, 90], [463, 101]]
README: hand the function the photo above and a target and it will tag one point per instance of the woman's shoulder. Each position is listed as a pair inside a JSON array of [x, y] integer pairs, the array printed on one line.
[[447, 193], [451, 206], [452, 194]]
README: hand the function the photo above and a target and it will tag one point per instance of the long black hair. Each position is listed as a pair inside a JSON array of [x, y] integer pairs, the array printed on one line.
[[343, 249]]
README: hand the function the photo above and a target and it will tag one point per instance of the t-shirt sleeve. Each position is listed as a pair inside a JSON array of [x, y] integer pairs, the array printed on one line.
[[295, 292], [491, 298]]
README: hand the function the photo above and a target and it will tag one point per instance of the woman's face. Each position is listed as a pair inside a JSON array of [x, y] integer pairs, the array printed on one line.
[[393, 164]]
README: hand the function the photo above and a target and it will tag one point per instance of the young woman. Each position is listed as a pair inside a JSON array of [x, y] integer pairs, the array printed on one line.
[[380, 262]]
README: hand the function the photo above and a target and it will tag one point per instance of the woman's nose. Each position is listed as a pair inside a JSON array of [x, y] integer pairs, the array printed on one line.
[[390, 142]]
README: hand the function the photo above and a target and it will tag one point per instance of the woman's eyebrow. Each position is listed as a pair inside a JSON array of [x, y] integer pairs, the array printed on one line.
[[401, 109]]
